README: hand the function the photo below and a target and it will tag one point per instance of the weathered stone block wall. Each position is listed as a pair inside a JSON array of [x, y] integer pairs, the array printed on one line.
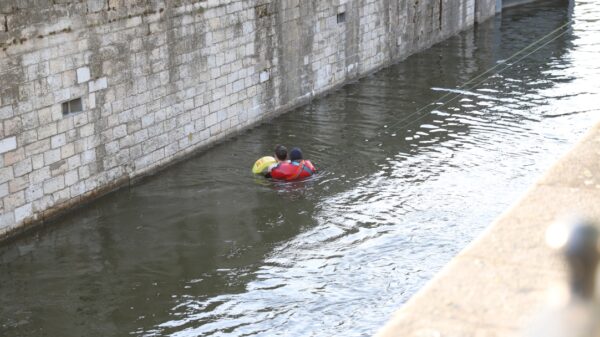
[[159, 79]]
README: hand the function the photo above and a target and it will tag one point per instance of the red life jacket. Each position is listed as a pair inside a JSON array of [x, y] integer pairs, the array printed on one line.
[[293, 170]]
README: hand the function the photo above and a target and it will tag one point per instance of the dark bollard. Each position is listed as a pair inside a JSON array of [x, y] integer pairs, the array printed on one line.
[[578, 314], [581, 254]]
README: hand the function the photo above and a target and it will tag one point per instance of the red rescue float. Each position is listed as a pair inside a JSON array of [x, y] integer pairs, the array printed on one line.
[[295, 169]]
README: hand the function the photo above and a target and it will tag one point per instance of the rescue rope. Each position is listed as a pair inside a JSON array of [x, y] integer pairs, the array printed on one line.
[[506, 63]]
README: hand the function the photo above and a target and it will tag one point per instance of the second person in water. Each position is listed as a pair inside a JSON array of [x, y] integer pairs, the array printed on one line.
[[293, 169]]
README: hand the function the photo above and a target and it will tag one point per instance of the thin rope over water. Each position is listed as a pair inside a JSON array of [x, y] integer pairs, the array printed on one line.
[[506, 63]]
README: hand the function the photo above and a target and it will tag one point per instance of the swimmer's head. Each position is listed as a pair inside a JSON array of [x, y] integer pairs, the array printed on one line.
[[281, 152], [295, 154]]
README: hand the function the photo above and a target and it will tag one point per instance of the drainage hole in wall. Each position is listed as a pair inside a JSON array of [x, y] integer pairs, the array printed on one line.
[[72, 106]]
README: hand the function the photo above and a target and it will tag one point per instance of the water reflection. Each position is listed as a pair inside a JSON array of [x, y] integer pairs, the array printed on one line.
[[207, 249]]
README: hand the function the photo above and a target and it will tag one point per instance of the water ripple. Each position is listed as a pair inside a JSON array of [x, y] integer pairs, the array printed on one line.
[[413, 165]]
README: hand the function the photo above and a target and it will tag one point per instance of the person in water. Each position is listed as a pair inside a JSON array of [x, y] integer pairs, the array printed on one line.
[[281, 155], [296, 168]]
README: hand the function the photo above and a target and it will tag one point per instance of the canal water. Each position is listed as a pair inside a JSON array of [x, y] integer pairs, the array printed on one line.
[[414, 165]]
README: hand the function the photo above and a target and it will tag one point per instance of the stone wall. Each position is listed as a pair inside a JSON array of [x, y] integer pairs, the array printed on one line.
[[96, 92]]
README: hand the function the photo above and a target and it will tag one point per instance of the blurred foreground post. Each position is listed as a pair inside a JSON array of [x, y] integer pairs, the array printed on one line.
[[577, 313]]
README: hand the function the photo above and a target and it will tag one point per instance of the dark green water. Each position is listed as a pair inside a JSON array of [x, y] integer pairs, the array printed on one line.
[[206, 249]]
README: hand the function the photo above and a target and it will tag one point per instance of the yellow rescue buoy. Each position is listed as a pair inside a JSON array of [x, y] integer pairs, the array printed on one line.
[[261, 165]]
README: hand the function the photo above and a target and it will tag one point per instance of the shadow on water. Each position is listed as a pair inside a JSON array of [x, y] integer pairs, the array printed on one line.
[[205, 248]]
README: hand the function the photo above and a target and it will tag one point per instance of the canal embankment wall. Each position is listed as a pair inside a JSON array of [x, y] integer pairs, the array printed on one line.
[[503, 282], [97, 93]]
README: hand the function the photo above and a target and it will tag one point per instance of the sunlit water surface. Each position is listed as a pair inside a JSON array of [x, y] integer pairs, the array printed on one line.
[[206, 249]]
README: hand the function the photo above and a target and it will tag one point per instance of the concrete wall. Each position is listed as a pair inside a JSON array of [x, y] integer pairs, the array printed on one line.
[[159, 79]]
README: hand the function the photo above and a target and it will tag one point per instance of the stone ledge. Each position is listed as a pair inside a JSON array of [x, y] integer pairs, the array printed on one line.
[[499, 282]]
